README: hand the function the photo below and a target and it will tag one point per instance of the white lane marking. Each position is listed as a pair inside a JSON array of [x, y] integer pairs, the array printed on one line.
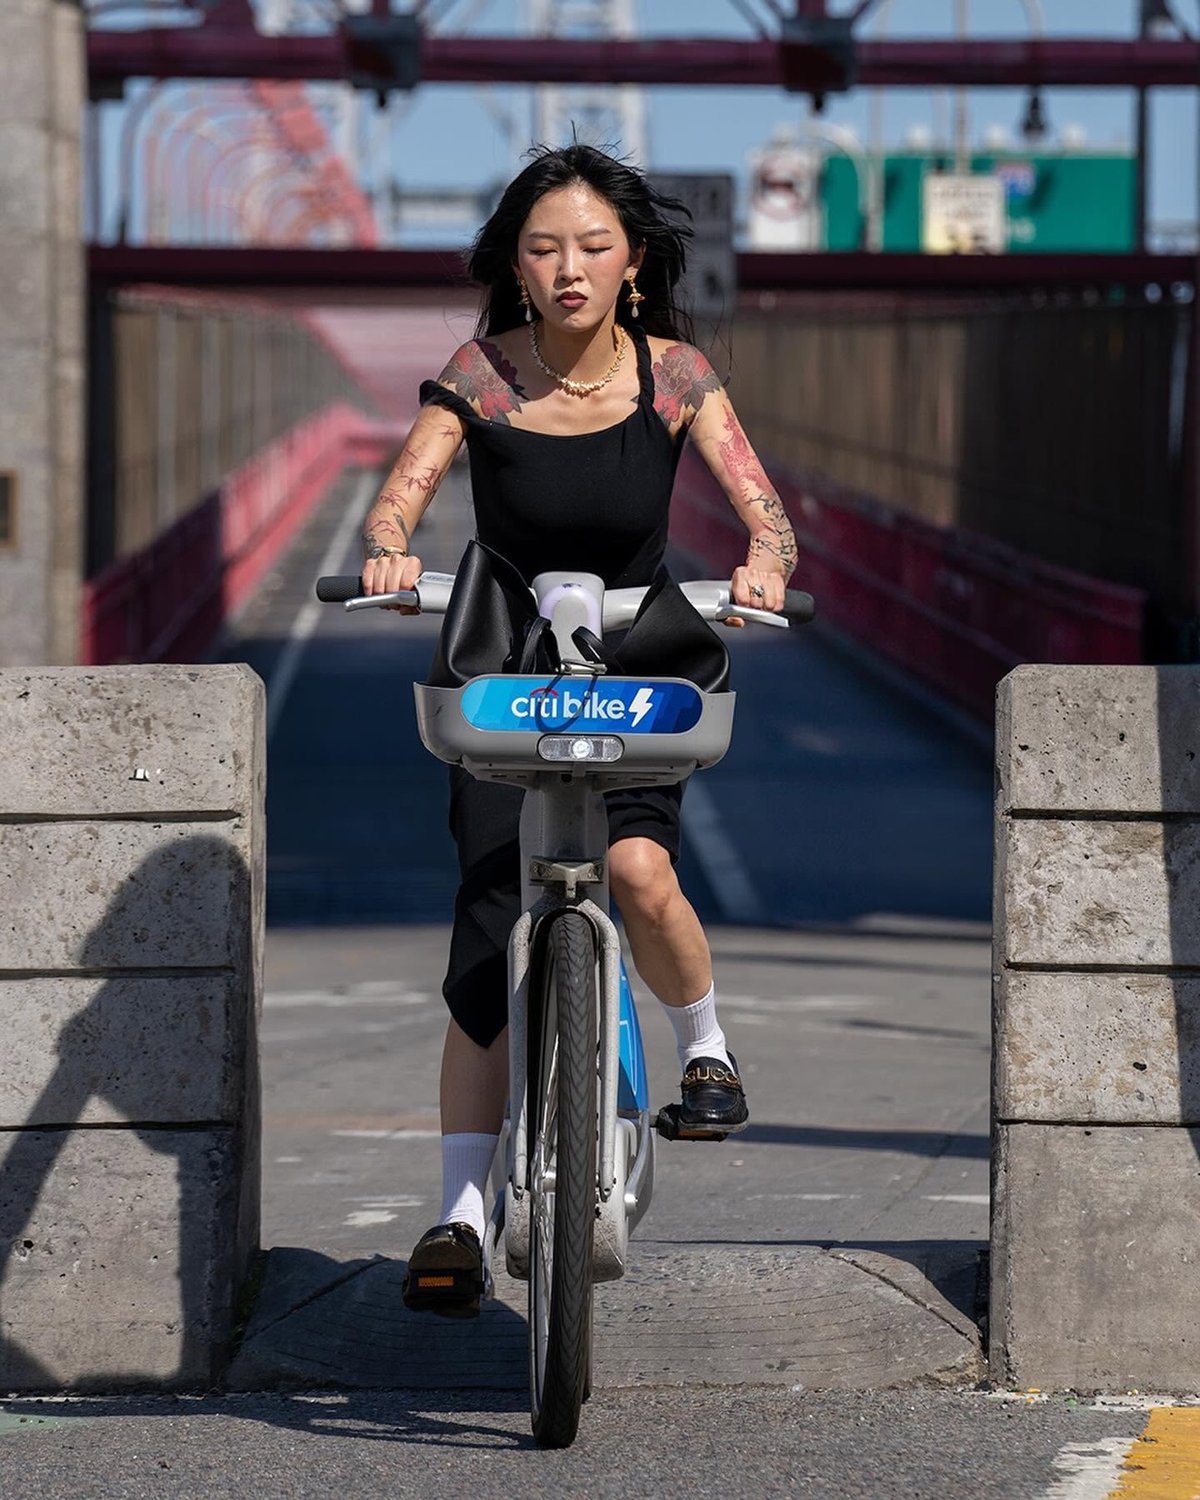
[[817, 741], [362, 1217], [341, 998], [1087, 1471], [388, 1135], [278, 1035], [801, 1197], [800, 1002], [956, 1198], [285, 1161], [305, 622], [724, 869], [407, 1201]]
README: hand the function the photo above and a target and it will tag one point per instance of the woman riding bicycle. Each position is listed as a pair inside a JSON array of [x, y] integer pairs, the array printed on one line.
[[575, 400]]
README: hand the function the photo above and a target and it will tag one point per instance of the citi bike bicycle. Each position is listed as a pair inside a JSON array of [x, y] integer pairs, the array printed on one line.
[[577, 1153]]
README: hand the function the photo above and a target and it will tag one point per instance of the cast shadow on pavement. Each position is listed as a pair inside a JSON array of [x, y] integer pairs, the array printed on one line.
[[954, 1271], [420, 1418], [320, 1322], [906, 1142]]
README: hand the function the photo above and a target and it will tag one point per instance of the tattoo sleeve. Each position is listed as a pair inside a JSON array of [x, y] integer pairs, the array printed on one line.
[[682, 379], [481, 375], [411, 485], [742, 476], [775, 544]]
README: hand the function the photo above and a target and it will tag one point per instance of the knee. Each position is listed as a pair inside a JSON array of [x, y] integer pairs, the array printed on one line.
[[641, 878]]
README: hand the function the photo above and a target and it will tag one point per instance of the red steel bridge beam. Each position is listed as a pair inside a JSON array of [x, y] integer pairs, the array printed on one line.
[[233, 52], [391, 270]]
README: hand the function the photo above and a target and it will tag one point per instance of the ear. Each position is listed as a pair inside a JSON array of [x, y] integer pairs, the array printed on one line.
[[636, 257]]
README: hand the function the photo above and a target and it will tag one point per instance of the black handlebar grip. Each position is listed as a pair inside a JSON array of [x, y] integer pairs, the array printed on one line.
[[337, 588], [799, 606]]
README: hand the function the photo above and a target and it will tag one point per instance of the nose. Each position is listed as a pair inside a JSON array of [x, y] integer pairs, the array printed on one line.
[[568, 268]]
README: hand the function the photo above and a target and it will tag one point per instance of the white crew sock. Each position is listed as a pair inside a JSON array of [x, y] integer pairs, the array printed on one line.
[[697, 1033], [466, 1162]]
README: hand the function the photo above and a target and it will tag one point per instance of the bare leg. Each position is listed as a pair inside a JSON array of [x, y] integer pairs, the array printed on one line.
[[666, 939], [474, 1089]]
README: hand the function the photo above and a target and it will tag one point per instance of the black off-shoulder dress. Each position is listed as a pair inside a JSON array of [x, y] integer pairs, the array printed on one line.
[[598, 502]]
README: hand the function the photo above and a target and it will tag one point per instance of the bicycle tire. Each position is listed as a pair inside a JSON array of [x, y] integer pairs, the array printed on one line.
[[562, 1220]]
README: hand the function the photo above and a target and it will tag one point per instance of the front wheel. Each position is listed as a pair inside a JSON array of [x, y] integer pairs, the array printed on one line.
[[562, 1180]]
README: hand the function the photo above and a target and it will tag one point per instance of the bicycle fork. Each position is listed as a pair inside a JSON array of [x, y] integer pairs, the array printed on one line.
[[559, 818]]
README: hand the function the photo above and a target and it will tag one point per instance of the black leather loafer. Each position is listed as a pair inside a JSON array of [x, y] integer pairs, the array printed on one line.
[[713, 1097], [445, 1272]]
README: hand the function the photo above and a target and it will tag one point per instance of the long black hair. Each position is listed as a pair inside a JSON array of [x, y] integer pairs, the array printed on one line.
[[643, 215]]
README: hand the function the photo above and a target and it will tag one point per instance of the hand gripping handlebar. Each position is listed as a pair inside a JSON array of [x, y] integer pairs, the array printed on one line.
[[710, 598]]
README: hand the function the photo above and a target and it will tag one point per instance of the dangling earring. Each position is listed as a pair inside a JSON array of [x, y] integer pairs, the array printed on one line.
[[634, 297], [525, 299]]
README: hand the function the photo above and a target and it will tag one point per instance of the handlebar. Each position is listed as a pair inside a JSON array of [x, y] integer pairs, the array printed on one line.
[[710, 598]]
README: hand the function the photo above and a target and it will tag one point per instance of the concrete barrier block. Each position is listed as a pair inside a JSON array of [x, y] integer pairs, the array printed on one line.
[[121, 895], [24, 276], [1081, 893], [1099, 739], [22, 63], [85, 741], [117, 1257], [1119, 1048], [1094, 1258], [148, 1051], [24, 172], [131, 860]]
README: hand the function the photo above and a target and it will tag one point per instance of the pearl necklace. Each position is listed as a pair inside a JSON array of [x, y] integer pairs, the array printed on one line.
[[578, 387]]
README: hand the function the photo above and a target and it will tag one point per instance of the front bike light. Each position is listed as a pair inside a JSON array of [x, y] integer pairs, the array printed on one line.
[[580, 747]]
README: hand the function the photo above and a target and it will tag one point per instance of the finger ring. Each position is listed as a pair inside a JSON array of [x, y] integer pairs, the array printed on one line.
[[756, 592]]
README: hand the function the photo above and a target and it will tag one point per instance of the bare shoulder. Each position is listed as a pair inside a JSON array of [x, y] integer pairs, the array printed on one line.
[[477, 359], [482, 372], [683, 379]]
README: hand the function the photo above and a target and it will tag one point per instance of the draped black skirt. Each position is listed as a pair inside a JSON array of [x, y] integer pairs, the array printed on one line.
[[484, 819]]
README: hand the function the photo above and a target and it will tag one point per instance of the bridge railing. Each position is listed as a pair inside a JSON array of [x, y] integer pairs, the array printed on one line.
[[1051, 424]]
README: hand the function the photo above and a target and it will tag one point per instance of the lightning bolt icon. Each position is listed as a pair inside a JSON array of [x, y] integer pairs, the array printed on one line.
[[643, 702]]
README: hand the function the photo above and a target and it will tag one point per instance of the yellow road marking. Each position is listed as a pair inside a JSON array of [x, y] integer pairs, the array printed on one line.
[[1164, 1463]]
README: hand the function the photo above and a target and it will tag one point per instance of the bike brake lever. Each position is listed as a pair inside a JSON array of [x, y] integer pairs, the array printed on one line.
[[409, 597], [754, 616]]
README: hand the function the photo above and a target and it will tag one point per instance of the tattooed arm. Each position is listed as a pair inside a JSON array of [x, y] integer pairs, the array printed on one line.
[[683, 381], [390, 563], [480, 374], [771, 556]]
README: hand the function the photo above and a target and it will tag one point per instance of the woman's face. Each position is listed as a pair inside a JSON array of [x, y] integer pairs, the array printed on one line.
[[573, 255]]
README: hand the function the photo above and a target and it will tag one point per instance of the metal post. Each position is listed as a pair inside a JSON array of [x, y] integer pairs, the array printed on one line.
[[1141, 129], [962, 125]]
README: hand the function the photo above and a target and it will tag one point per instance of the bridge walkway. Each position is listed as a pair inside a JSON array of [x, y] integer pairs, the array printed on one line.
[[839, 859]]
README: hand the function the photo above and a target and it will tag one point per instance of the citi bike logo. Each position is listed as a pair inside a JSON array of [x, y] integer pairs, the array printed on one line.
[[617, 704], [561, 706]]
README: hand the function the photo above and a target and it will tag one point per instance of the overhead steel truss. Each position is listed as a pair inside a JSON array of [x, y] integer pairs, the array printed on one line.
[[225, 51]]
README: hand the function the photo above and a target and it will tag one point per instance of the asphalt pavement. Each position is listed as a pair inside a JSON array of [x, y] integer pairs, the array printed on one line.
[[802, 1310]]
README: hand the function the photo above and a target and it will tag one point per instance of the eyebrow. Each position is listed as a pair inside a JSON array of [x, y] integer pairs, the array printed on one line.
[[544, 234]]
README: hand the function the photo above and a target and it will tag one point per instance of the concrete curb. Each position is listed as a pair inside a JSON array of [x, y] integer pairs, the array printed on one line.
[[684, 1315]]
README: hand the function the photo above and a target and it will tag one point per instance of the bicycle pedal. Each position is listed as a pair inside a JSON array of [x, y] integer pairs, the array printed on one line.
[[669, 1126], [450, 1293]]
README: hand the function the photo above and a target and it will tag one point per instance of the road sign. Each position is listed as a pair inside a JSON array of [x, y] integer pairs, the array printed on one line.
[[963, 214], [785, 197], [709, 291]]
